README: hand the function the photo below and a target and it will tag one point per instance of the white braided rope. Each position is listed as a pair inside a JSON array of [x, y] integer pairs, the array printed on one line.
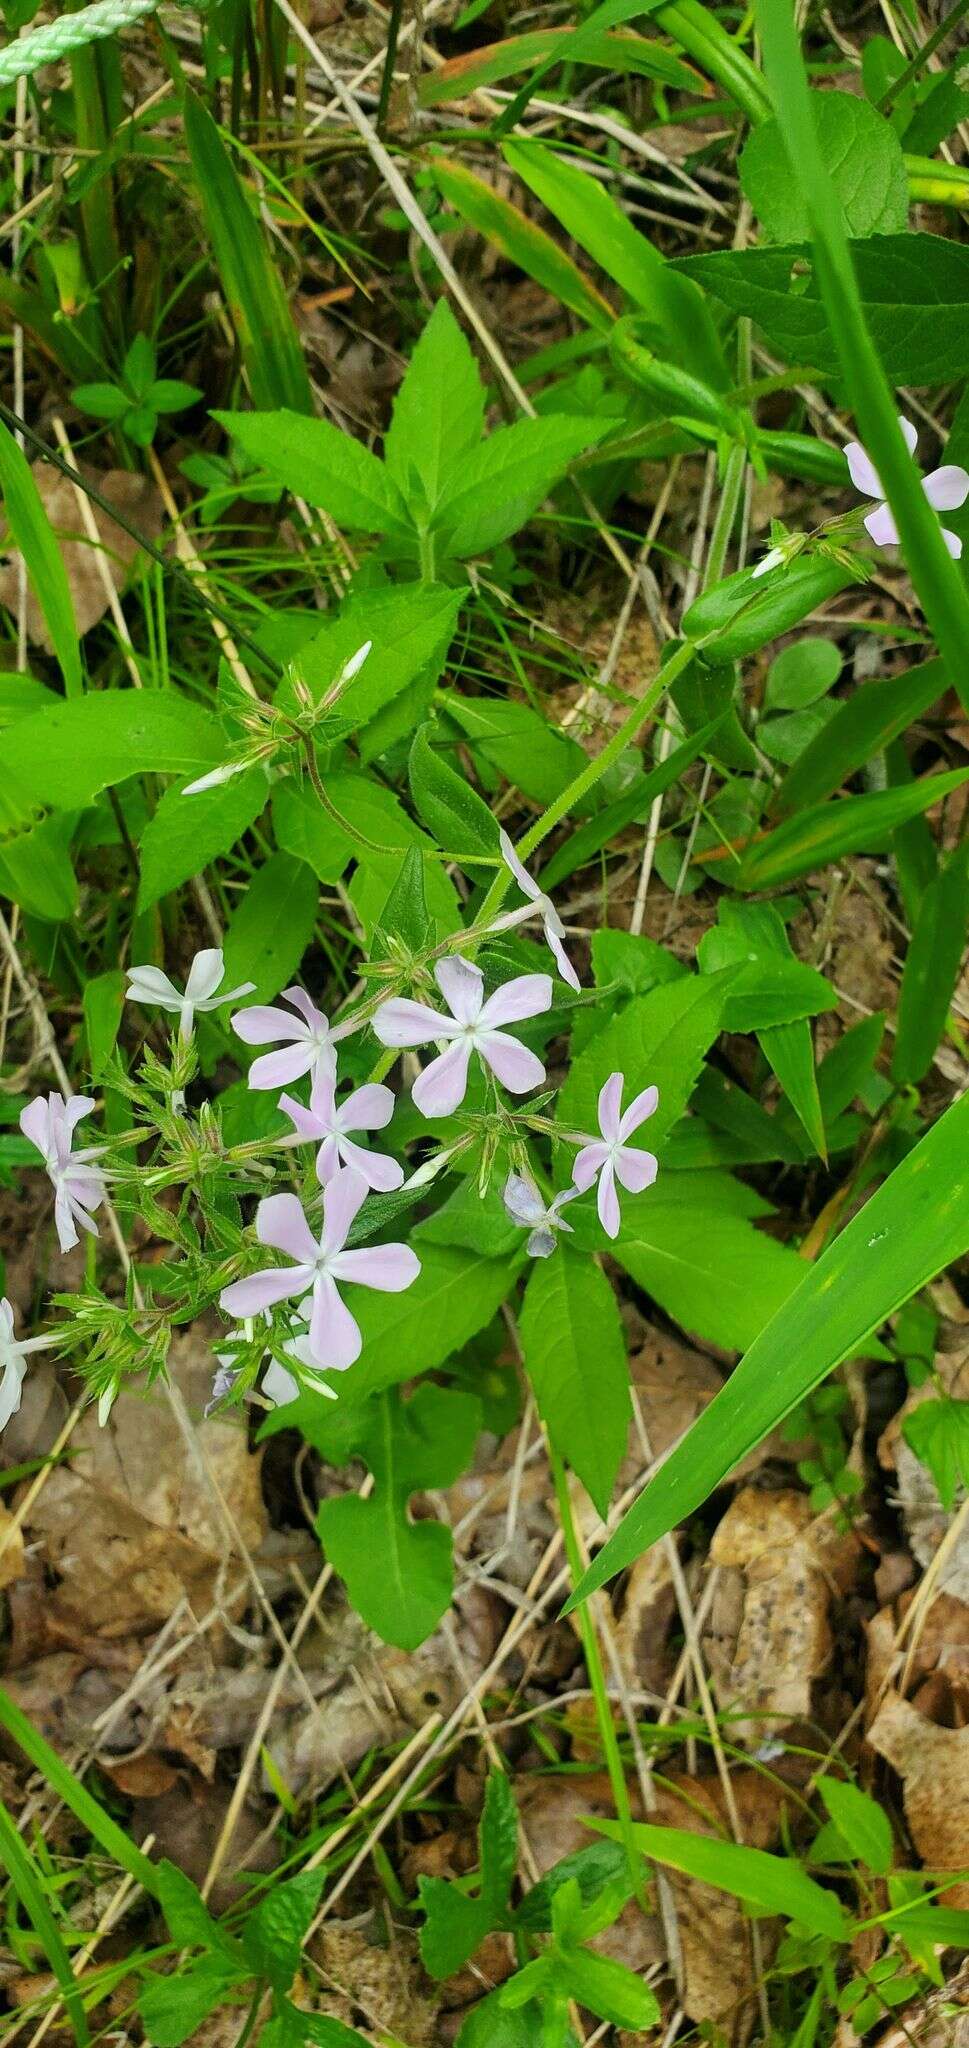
[[69, 32]]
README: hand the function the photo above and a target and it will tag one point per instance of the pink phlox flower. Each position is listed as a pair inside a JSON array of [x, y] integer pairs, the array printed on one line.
[[78, 1186], [527, 1206], [946, 489], [552, 926], [473, 1026], [308, 1039], [280, 1387], [150, 986], [367, 1109], [14, 1353], [610, 1157], [318, 1268]]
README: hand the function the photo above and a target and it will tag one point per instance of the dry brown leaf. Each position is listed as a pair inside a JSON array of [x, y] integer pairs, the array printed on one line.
[[933, 1764], [130, 1525], [383, 1988], [133, 496], [926, 1520], [781, 1565]]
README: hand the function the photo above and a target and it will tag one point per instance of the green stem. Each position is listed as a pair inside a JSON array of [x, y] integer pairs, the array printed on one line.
[[427, 555], [597, 1676]]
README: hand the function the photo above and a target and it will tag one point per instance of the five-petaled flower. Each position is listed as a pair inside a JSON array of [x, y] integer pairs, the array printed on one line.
[[307, 1039], [368, 1109], [611, 1157], [149, 985], [539, 905], [527, 1206], [473, 1026], [946, 489], [334, 1336], [14, 1353], [78, 1186]]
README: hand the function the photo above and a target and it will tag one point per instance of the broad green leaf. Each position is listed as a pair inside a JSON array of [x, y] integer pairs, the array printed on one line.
[[932, 964], [187, 1916], [489, 2024], [104, 999], [867, 171], [326, 467], [252, 282], [410, 628], [31, 529], [588, 212], [458, 817], [610, 1989], [398, 1573], [273, 1934], [790, 1051], [315, 835], [801, 673], [769, 1884], [770, 985], [743, 613], [19, 696], [453, 1297], [708, 1268], [373, 887], [456, 1922], [438, 413], [65, 755], [862, 726], [938, 1433], [575, 1357], [172, 2008], [271, 928], [863, 1825], [845, 1070], [520, 239], [914, 292], [506, 479], [915, 1224], [520, 743], [595, 1869], [658, 1041], [185, 833], [854, 824], [36, 870]]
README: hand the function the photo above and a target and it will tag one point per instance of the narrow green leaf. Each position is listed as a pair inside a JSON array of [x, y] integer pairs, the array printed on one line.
[[519, 238], [863, 1825], [324, 466], [790, 1051], [31, 529], [916, 1223], [77, 1799], [932, 964], [862, 726], [460, 820], [29, 1887], [272, 926], [854, 824], [770, 1884], [438, 413], [575, 1356]]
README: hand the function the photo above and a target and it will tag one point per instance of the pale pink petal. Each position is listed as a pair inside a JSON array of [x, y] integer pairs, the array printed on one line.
[[76, 1108], [643, 1105], [607, 1201], [862, 471], [518, 1069], [376, 1169], [388, 1267], [280, 1222], [334, 1340], [953, 543], [231, 995], [323, 1097], [399, 1022], [205, 974], [910, 434], [328, 1160], [947, 488], [369, 1108], [342, 1198], [265, 1025], [881, 525], [276, 1069], [586, 1164], [442, 1086], [306, 1007], [262, 1290], [522, 876], [462, 986], [610, 1105], [636, 1170], [528, 995], [307, 1124], [562, 961], [278, 1385], [67, 1235], [35, 1124], [151, 985]]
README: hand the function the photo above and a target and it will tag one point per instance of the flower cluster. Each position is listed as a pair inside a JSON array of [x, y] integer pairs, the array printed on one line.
[[318, 1333]]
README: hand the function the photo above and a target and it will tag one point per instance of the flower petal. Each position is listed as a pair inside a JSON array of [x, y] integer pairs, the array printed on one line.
[[642, 1105], [522, 876], [518, 1069], [264, 1024], [399, 1022], [910, 435], [953, 543], [862, 471], [150, 985], [375, 1168], [522, 1200], [882, 528], [462, 986], [369, 1108], [387, 1267], [278, 1385], [11, 1389], [205, 974], [280, 1221], [636, 1170], [35, 1124], [947, 488], [229, 995], [528, 995], [442, 1086], [305, 1121], [607, 1201], [610, 1106], [562, 961], [342, 1198], [334, 1337], [586, 1164], [276, 1069], [328, 1160], [67, 1236], [308, 1010], [323, 1098], [262, 1290]]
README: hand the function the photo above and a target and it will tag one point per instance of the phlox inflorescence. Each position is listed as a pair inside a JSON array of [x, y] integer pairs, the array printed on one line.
[[292, 1314]]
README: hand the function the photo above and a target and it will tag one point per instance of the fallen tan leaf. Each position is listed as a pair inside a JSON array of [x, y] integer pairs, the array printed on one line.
[[12, 1564], [132, 495], [933, 1764]]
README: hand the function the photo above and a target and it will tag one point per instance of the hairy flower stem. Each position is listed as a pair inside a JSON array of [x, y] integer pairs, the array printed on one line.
[[597, 1676]]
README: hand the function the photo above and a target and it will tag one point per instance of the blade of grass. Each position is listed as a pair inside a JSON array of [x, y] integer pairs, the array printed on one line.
[[105, 1831], [937, 580], [29, 1889], [32, 532]]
